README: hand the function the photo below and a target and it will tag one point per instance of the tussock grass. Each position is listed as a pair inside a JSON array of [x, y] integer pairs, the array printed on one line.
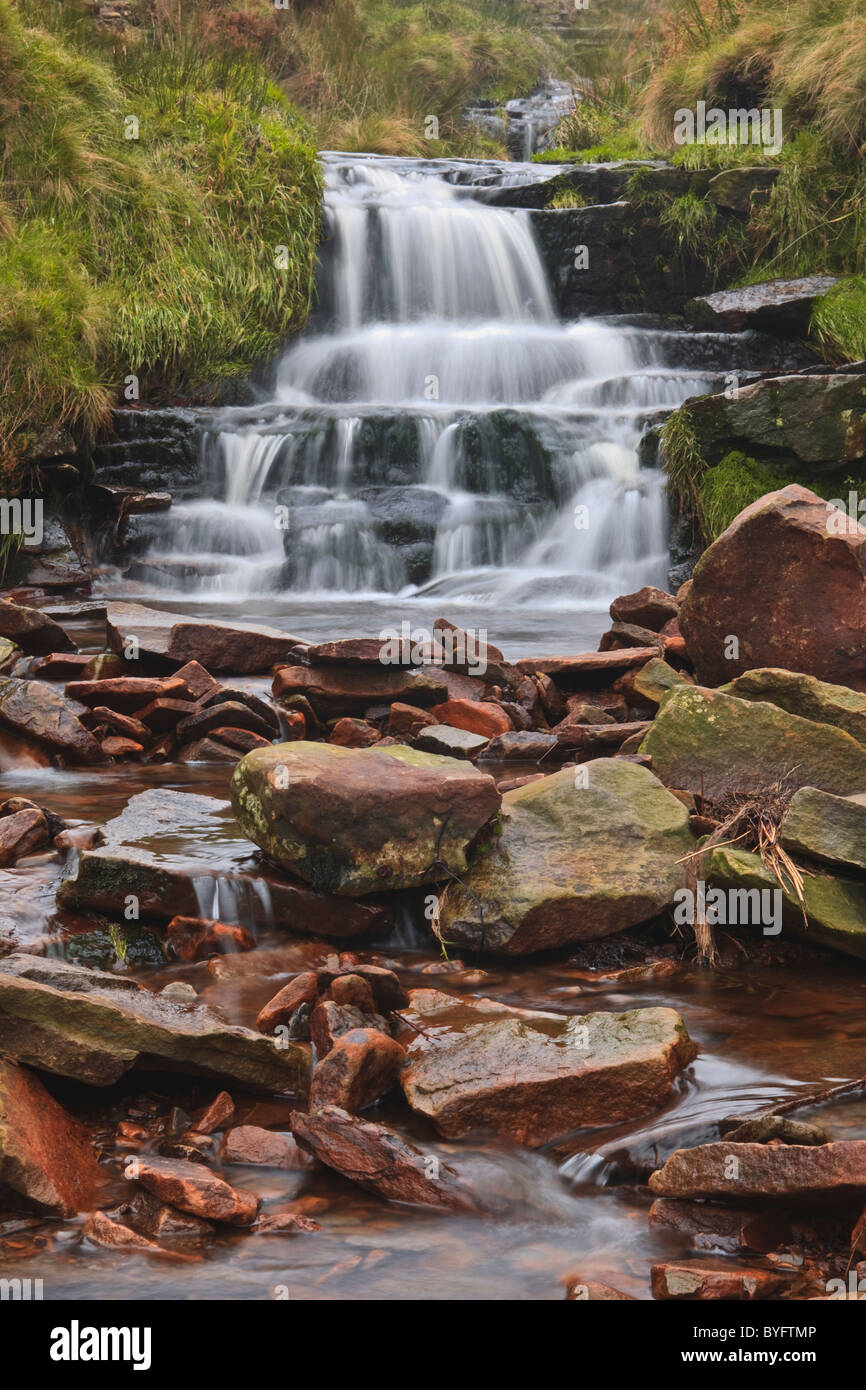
[[839, 321]]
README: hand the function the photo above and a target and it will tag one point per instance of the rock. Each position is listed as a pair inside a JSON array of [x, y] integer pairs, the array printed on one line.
[[386, 988], [240, 740], [21, 834], [252, 1144], [380, 1159], [330, 1020], [700, 1279], [804, 696], [207, 750], [164, 713], [349, 690], [648, 607], [194, 1189], [99, 1229], [572, 670], [476, 716], [285, 1223], [231, 712], [408, 720], [123, 724], [708, 742], [303, 989], [523, 746], [146, 1213], [655, 679], [597, 739], [825, 1174], [580, 1290], [835, 907], [354, 733], [351, 821], [125, 692], [621, 635], [450, 741], [116, 747], [139, 856], [764, 1128], [830, 829], [360, 1069], [781, 307], [571, 862], [244, 648], [32, 630], [533, 1077], [709, 1226], [95, 1026], [199, 682], [46, 1161], [354, 651], [353, 990], [38, 712], [195, 938], [218, 1115], [787, 580]]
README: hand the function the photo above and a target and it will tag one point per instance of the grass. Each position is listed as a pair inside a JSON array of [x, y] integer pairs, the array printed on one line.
[[156, 256], [839, 321]]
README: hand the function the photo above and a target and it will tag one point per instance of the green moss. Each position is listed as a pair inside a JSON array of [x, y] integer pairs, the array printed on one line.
[[567, 198], [839, 321], [684, 465], [738, 480]]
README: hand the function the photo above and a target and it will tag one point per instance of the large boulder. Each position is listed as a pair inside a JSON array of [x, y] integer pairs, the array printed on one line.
[[787, 580], [94, 1027], [139, 855], [824, 1174], [813, 424], [32, 630], [580, 854], [477, 1065], [46, 1161], [705, 741], [171, 638], [353, 821]]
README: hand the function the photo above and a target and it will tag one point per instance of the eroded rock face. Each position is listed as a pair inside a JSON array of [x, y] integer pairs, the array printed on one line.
[[787, 579], [572, 862], [533, 1077], [705, 741], [825, 1174], [94, 1027], [353, 821], [380, 1159], [46, 1161]]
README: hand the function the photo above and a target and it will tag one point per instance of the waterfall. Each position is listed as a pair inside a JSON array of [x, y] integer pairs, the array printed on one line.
[[436, 429]]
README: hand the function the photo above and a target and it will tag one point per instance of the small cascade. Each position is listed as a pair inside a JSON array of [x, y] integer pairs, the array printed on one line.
[[437, 429]]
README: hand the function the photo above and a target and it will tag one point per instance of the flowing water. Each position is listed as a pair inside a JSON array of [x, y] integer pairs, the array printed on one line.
[[437, 437]]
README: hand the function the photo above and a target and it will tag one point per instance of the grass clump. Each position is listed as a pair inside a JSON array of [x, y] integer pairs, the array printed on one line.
[[838, 322], [734, 483]]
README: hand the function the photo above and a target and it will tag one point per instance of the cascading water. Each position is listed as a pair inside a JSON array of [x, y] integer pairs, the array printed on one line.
[[437, 430]]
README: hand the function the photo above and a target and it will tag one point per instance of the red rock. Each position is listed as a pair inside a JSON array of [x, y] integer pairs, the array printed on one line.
[[39, 713], [123, 724], [207, 750], [243, 740], [194, 938], [476, 716], [59, 666], [218, 1115], [31, 629], [830, 1174], [648, 607], [164, 713], [360, 1068], [408, 719], [266, 1147], [699, 1280], [572, 668], [788, 580], [22, 833], [354, 990], [354, 733], [146, 1213], [99, 1229], [197, 680], [380, 1159], [286, 1223], [223, 713], [129, 1132], [117, 747], [387, 990], [46, 1160], [330, 1020], [294, 724], [338, 690], [580, 1290], [303, 989], [193, 1188], [125, 692], [597, 738], [352, 651]]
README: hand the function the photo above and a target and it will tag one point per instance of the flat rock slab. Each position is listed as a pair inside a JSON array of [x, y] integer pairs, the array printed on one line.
[[193, 1188], [825, 1174], [350, 689], [247, 648], [533, 1077], [46, 1161], [572, 668], [144, 851], [706, 1280], [775, 306], [94, 1027], [705, 741], [579, 855], [38, 712], [829, 829], [804, 696], [380, 1159], [353, 821]]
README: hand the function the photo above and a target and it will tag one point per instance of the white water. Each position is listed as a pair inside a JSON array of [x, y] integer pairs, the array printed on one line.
[[439, 430]]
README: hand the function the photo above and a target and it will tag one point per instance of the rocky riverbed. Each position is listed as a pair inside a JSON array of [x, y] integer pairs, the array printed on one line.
[[471, 977]]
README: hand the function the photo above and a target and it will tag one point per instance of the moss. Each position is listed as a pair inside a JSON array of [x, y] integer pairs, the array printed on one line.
[[738, 480], [567, 198], [838, 322]]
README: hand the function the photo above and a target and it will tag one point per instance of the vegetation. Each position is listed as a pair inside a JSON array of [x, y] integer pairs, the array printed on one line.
[[839, 321]]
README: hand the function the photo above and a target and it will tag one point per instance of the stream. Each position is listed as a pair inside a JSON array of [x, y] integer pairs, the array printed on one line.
[[433, 444]]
